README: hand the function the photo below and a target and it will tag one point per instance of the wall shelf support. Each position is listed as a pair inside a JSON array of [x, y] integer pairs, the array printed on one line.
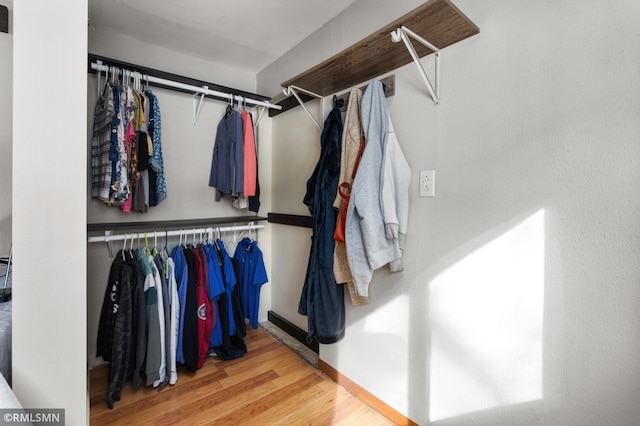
[[403, 34], [293, 90], [197, 105]]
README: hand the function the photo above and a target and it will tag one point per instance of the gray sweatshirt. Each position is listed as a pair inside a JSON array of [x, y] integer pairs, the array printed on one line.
[[378, 212]]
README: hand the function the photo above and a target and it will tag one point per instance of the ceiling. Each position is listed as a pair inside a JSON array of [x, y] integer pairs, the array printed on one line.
[[247, 34]]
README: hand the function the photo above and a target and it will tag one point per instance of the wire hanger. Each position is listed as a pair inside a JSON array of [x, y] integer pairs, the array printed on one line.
[[99, 75], [124, 247], [146, 245], [166, 239], [131, 245]]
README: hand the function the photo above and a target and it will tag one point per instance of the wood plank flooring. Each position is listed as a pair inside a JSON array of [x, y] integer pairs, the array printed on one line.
[[270, 385]]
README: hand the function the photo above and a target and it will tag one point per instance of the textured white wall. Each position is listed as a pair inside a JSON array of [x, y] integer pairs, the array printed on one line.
[[49, 207], [6, 90], [295, 150], [519, 299], [187, 151]]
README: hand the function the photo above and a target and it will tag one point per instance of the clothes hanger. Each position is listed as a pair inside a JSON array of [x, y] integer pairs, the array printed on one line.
[[251, 229], [218, 236], [230, 106], [166, 238], [124, 247], [131, 245]]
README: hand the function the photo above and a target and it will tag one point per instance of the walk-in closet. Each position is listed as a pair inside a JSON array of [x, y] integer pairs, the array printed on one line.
[[337, 212]]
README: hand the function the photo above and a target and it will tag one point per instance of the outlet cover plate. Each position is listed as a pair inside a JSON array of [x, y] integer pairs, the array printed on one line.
[[427, 183]]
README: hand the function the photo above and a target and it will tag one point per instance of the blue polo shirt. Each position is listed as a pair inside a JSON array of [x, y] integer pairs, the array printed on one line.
[[252, 275]]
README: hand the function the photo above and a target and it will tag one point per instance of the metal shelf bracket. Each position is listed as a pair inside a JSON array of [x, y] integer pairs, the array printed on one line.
[[403, 34], [293, 90], [198, 105]]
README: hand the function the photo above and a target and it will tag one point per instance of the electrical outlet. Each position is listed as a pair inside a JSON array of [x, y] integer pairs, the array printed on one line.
[[428, 183]]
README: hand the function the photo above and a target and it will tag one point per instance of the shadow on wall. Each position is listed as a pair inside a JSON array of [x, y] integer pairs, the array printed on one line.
[[486, 316]]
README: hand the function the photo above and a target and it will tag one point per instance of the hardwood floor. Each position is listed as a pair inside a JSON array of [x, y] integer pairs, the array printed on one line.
[[270, 385]]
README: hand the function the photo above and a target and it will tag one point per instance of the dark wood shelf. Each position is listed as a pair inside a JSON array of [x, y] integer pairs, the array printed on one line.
[[440, 22], [291, 219], [171, 224]]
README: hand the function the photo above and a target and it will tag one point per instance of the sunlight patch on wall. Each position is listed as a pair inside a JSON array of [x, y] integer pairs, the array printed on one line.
[[486, 316]]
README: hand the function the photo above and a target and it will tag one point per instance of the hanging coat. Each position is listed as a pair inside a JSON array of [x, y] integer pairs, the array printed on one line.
[[114, 332], [322, 299], [378, 212]]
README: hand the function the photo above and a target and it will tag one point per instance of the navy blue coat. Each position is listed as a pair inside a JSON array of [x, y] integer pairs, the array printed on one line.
[[322, 299]]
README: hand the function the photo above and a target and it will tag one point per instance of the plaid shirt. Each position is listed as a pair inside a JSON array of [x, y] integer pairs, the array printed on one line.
[[101, 167]]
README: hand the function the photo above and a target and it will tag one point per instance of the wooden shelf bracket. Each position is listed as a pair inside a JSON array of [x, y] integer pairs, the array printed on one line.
[[293, 90], [403, 33]]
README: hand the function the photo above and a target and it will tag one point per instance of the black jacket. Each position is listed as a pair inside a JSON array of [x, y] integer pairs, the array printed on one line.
[[322, 300]]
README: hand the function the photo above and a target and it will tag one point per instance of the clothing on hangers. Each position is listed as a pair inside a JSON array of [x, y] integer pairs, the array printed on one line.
[[227, 163], [160, 310], [101, 167], [254, 199], [252, 275], [127, 169]]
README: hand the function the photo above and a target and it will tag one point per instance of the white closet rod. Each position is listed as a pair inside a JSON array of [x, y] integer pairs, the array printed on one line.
[[195, 89], [156, 234]]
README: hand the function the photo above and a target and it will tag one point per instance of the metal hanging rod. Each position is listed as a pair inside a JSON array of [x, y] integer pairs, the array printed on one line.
[[180, 83], [209, 231], [403, 34], [155, 234]]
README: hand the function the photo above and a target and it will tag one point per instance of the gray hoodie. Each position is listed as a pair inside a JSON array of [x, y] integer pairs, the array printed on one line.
[[378, 212]]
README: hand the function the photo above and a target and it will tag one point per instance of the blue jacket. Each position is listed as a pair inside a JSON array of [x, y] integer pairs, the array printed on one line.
[[227, 163], [322, 300]]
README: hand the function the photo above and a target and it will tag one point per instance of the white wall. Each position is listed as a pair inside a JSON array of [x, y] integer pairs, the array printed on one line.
[[295, 152], [187, 151], [6, 83], [519, 299], [49, 207]]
